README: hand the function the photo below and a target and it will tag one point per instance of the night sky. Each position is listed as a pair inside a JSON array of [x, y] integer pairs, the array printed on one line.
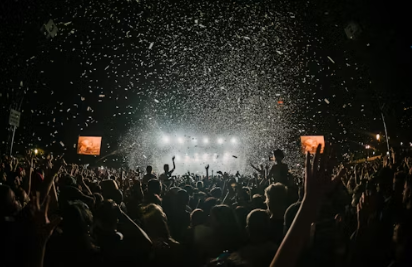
[[129, 70]]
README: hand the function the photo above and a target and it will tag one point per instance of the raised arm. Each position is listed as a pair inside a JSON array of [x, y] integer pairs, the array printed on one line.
[[254, 167], [207, 171], [317, 185], [174, 166]]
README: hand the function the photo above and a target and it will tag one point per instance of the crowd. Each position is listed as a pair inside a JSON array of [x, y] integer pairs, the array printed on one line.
[[58, 214]]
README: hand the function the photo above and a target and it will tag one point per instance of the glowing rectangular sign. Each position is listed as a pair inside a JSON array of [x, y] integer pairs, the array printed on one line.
[[89, 145], [310, 143]]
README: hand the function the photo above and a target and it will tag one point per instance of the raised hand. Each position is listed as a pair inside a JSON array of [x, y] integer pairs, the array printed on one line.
[[207, 167], [317, 181], [173, 159]]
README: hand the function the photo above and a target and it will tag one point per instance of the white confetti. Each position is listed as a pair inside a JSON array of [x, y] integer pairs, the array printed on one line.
[[331, 60]]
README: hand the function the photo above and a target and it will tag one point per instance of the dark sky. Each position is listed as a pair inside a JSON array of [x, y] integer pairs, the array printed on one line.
[[101, 74]]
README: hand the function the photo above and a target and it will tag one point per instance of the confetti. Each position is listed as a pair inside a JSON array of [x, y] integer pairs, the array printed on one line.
[[331, 60]]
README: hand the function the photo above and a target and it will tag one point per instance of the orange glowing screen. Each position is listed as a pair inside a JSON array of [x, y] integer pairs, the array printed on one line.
[[310, 143], [89, 145]]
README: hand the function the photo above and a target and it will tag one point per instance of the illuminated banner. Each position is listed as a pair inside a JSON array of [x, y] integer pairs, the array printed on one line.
[[89, 145], [310, 143]]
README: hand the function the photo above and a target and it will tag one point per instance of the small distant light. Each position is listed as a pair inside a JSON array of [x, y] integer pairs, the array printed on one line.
[[180, 140], [387, 152], [410, 143], [220, 141], [378, 137], [368, 146], [234, 141], [401, 143], [36, 151], [205, 140]]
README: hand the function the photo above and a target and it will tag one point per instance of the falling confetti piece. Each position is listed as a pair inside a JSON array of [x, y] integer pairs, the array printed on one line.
[[327, 101], [151, 45], [331, 60], [61, 143]]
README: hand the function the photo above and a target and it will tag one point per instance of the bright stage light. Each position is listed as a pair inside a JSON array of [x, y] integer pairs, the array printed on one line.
[[220, 141], [180, 140], [165, 139], [234, 141], [205, 140]]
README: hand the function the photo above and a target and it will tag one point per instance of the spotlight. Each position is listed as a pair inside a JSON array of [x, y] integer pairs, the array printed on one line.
[[205, 140], [180, 140], [234, 141], [165, 139], [220, 141]]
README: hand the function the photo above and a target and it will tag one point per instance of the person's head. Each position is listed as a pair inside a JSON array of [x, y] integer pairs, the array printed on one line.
[[209, 204], [241, 214], [198, 217], [226, 228], [223, 218], [258, 224], [189, 189], [9, 206], [155, 222], [110, 190], [77, 219], [166, 168], [22, 197], [279, 156], [98, 199], [199, 185], [149, 169], [154, 187], [216, 192], [107, 215], [182, 198], [258, 202], [244, 195], [276, 198]]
